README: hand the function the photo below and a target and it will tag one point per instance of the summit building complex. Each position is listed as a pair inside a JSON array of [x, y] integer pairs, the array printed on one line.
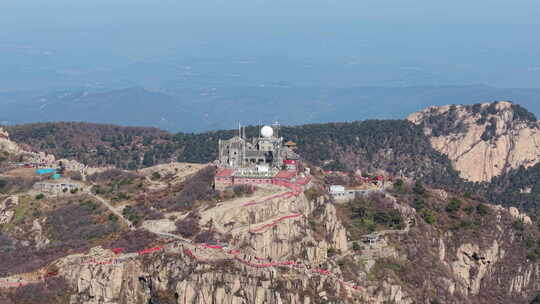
[[265, 159]]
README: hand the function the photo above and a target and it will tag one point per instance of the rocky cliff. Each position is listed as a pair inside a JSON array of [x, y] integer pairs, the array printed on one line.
[[483, 140], [471, 253], [6, 144]]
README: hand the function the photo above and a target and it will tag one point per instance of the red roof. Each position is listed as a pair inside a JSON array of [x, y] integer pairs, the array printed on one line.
[[225, 173], [303, 181], [285, 174], [289, 161]]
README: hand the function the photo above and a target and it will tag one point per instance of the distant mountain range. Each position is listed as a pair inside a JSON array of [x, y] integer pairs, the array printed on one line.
[[195, 110]]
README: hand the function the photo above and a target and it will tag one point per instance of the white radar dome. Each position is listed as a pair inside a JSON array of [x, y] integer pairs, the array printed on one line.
[[267, 131]]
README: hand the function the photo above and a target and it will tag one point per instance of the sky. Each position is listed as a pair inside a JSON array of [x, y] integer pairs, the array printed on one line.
[[447, 42]]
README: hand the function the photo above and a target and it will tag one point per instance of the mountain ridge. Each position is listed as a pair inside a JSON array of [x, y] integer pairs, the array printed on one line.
[[483, 140], [215, 108]]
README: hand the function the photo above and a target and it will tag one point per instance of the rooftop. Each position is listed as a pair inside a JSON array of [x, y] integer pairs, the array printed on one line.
[[287, 174], [254, 173], [225, 173], [290, 143]]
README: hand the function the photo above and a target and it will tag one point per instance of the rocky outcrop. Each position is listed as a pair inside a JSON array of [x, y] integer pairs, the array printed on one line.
[[289, 249], [484, 140], [472, 264], [6, 144], [173, 274], [207, 275], [7, 209], [40, 239]]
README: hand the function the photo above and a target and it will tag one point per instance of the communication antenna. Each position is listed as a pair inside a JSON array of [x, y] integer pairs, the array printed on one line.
[[276, 128], [239, 130]]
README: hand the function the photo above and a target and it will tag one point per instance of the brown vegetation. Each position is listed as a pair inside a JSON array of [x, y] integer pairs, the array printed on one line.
[[72, 226], [187, 195], [132, 241], [189, 226], [53, 290]]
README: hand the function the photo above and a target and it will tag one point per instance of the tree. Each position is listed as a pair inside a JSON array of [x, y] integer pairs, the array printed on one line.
[[331, 251], [482, 209], [398, 185], [419, 204], [156, 175], [419, 188], [148, 159], [453, 206]]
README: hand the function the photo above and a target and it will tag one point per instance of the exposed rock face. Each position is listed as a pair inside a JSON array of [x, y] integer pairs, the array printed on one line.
[[37, 231], [7, 209], [482, 141], [482, 265], [212, 276], [4, 134], [520, 216], [175, 274], [6, 144], [468, 270]]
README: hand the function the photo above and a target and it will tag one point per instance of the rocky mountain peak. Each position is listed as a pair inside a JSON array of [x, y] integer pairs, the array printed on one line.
[[482, 140]]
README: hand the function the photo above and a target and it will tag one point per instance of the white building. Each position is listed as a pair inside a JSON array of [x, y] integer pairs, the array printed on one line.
[[340, 193], [56, 187]]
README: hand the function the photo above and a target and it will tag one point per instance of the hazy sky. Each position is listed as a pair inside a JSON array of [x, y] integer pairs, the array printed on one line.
[[493, 42]]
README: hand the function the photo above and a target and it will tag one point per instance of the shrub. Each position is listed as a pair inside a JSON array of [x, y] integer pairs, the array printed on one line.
[[89, 205], [419, 204], [156, 176], [331, 252], [132, 240], [40, 196], [518, 225], [398, 185], [312, 193], [428, 217], [454, 205], [205, 237], [469, 209], [189, 226], [96, 189], [241, 190], [113, 217], [419, 188], [355, 246], [482, 209], [131, 214]]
